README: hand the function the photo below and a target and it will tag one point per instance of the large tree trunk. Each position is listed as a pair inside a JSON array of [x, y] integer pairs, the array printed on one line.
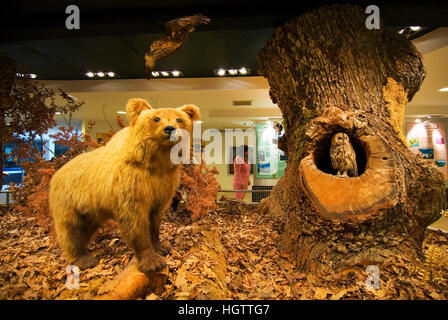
[[328, 73]]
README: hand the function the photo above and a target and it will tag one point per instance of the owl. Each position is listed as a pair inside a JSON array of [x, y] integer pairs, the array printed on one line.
[[343, 157]]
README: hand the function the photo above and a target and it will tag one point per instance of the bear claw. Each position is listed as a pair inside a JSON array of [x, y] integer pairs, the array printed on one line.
[[151, 263]]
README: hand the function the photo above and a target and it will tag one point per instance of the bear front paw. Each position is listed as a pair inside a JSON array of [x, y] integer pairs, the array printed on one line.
[[151, 263], [85, 262], [162, 249]]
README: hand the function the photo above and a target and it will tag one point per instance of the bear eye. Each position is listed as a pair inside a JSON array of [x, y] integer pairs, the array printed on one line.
[[156, 119], [179, 120]]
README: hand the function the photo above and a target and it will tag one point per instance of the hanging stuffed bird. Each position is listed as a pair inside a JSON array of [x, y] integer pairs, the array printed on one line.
[[174, 40], [67, 97]]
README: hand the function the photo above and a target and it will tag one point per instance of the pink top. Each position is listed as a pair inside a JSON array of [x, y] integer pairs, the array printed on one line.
[[242, 170]]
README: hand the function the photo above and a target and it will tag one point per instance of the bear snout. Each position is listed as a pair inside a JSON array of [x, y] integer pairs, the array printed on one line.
[[169, 130]]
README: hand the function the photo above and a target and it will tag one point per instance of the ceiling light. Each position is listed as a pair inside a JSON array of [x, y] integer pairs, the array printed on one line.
[[90, 74], [233, 72], [32, 75], [121, 112], [100, 74], [57, 113], [248, 124], [221, 72], [174, 73], [243, 70], [415, 28], [401, 31], [111, 74], [418, 120], [444, 89]]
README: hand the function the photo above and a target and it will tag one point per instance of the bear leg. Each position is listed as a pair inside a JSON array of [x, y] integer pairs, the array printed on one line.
[[156, 219], [74, 237], [135, 229]]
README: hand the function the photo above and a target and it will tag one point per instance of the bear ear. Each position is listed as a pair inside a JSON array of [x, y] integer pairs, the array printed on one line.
[[135, 107], [191, 110]]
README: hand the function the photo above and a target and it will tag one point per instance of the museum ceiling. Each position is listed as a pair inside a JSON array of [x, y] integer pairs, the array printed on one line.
[[115, 34]]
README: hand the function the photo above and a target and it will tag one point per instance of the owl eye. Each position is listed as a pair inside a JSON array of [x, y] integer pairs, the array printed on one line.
[[156, 119], [179, 120]]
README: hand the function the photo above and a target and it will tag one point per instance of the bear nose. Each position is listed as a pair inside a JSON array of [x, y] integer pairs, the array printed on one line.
[[169, 129]]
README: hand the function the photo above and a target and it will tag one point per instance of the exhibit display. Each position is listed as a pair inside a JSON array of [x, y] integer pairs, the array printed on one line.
[[219, 151], [269, 163], [429, 141]]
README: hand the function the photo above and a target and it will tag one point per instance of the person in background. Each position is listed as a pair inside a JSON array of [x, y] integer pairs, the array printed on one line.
[[241, 169]]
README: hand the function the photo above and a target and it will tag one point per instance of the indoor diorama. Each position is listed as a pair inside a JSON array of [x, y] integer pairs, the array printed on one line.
[[223, 150]]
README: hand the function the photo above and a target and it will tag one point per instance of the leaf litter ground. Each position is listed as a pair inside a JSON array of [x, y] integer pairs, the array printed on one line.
[[231, 253]]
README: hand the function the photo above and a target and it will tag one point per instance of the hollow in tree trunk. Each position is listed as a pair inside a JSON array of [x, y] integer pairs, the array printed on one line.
[[329, 74]]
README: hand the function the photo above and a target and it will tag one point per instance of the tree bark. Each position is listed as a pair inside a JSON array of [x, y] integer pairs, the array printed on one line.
[[328, 74]]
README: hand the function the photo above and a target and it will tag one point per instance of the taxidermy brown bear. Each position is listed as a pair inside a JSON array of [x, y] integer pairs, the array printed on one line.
[[131, 180]]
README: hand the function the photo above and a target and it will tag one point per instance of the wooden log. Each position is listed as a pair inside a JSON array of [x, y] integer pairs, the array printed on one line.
[[132, 284], [207, 281]]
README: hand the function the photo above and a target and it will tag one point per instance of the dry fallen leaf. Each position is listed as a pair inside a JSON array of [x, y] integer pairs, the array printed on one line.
[[113, 241], [339, 294], [321, 293], [34, 267]]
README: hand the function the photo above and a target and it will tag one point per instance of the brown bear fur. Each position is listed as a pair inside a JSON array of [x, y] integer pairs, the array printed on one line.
[[131, 180]]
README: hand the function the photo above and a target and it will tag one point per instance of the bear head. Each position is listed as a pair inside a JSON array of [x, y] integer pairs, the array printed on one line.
[[160, 126]]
